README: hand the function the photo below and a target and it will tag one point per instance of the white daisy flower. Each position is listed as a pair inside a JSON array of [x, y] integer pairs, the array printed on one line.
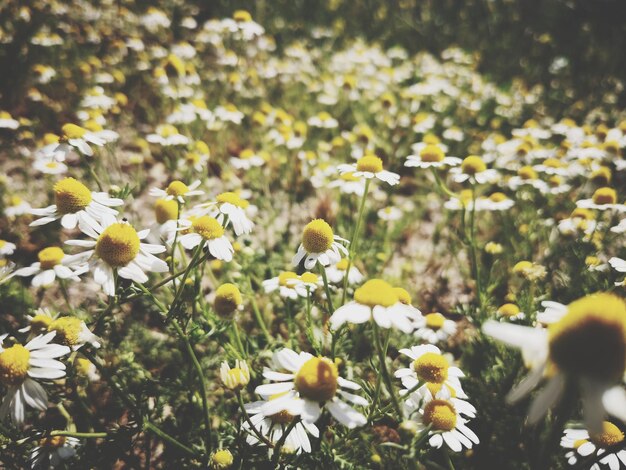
[[553, 312], [619, 265], [473, 168], [177, 190], [390, 214], [323, 120], [16, 206], [52, 451], [167, 135], [434, 328], [76, 205], [285, 283], [337, 272], [603, 199], [207, 230], [6, 248], [307, 283], [247, 159], [495, 202], [310, 385], [348, 183], [7, 121], [598, 323], [319, 245], [117, 248], [447, 425], [53, 263], [237, 377], [582, 444], [431, 156], [368, 167], [49, 167], [273, 427], [20, 366], [431, 368], [229, 207], [76, 137], [377, 300], [510, 312], [72, 332], [39, 322]]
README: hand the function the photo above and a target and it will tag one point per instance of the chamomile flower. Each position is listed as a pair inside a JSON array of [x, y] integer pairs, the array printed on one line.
[[603, 199], [368, 167], [598, 323], [285, 283], [53, 263], [307, 284], [52, 451], [310, 385], [50, 166], [474, 169], [319, 245], [20, 366], [16, 206], [337, 272], [6, 248], [447, 425], [583, 444], [377, 300], [116, 247], [72, 332], [434, 328], [273, 427], [348, 183], [75, 205], [230, 208], [509, 311], [619, 265], [167, 135], [237, 377], [207, 230], [76, 137], [247, 159], [430, 368], [177, 190], [431, 156], [389, 214]]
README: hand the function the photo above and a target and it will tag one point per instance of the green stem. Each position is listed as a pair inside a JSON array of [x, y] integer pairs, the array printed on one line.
[[475, 266], [86, 435], [237, 338], [198, 367], [354, 240], [253, 428], [149, 426], [382, 356], [329, 298], [179, 291], [281, 441], [258, 316]]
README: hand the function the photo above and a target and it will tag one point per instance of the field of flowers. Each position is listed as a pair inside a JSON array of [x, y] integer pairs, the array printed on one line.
[[230, 248]]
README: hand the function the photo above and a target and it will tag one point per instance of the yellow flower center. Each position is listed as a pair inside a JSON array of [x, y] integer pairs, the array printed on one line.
[[472, 165], [52, 442], [246, 154], [310, 278], [403, 295], [498, 197], [583, 214], [435, 388], [242, 16], [207, 227], [286, 278], [522, 266], [282, 417], [68, 329], [232, 198], [222, 459], [598, 322], [376, 292], [317, 379], [601, 175], [14, 365], [609, 436], [579, 443], [432, 154], [604, 196], [40, 322], [349, 177], [72, 131], [317, 236], [440, 414], [165, 209], [118, 245], [434, 321], [177, 188], [50, 257], [431, 367], [527, 173], [342, 265], [508, 310], [71, 196], [370, 163], [227, 299]]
